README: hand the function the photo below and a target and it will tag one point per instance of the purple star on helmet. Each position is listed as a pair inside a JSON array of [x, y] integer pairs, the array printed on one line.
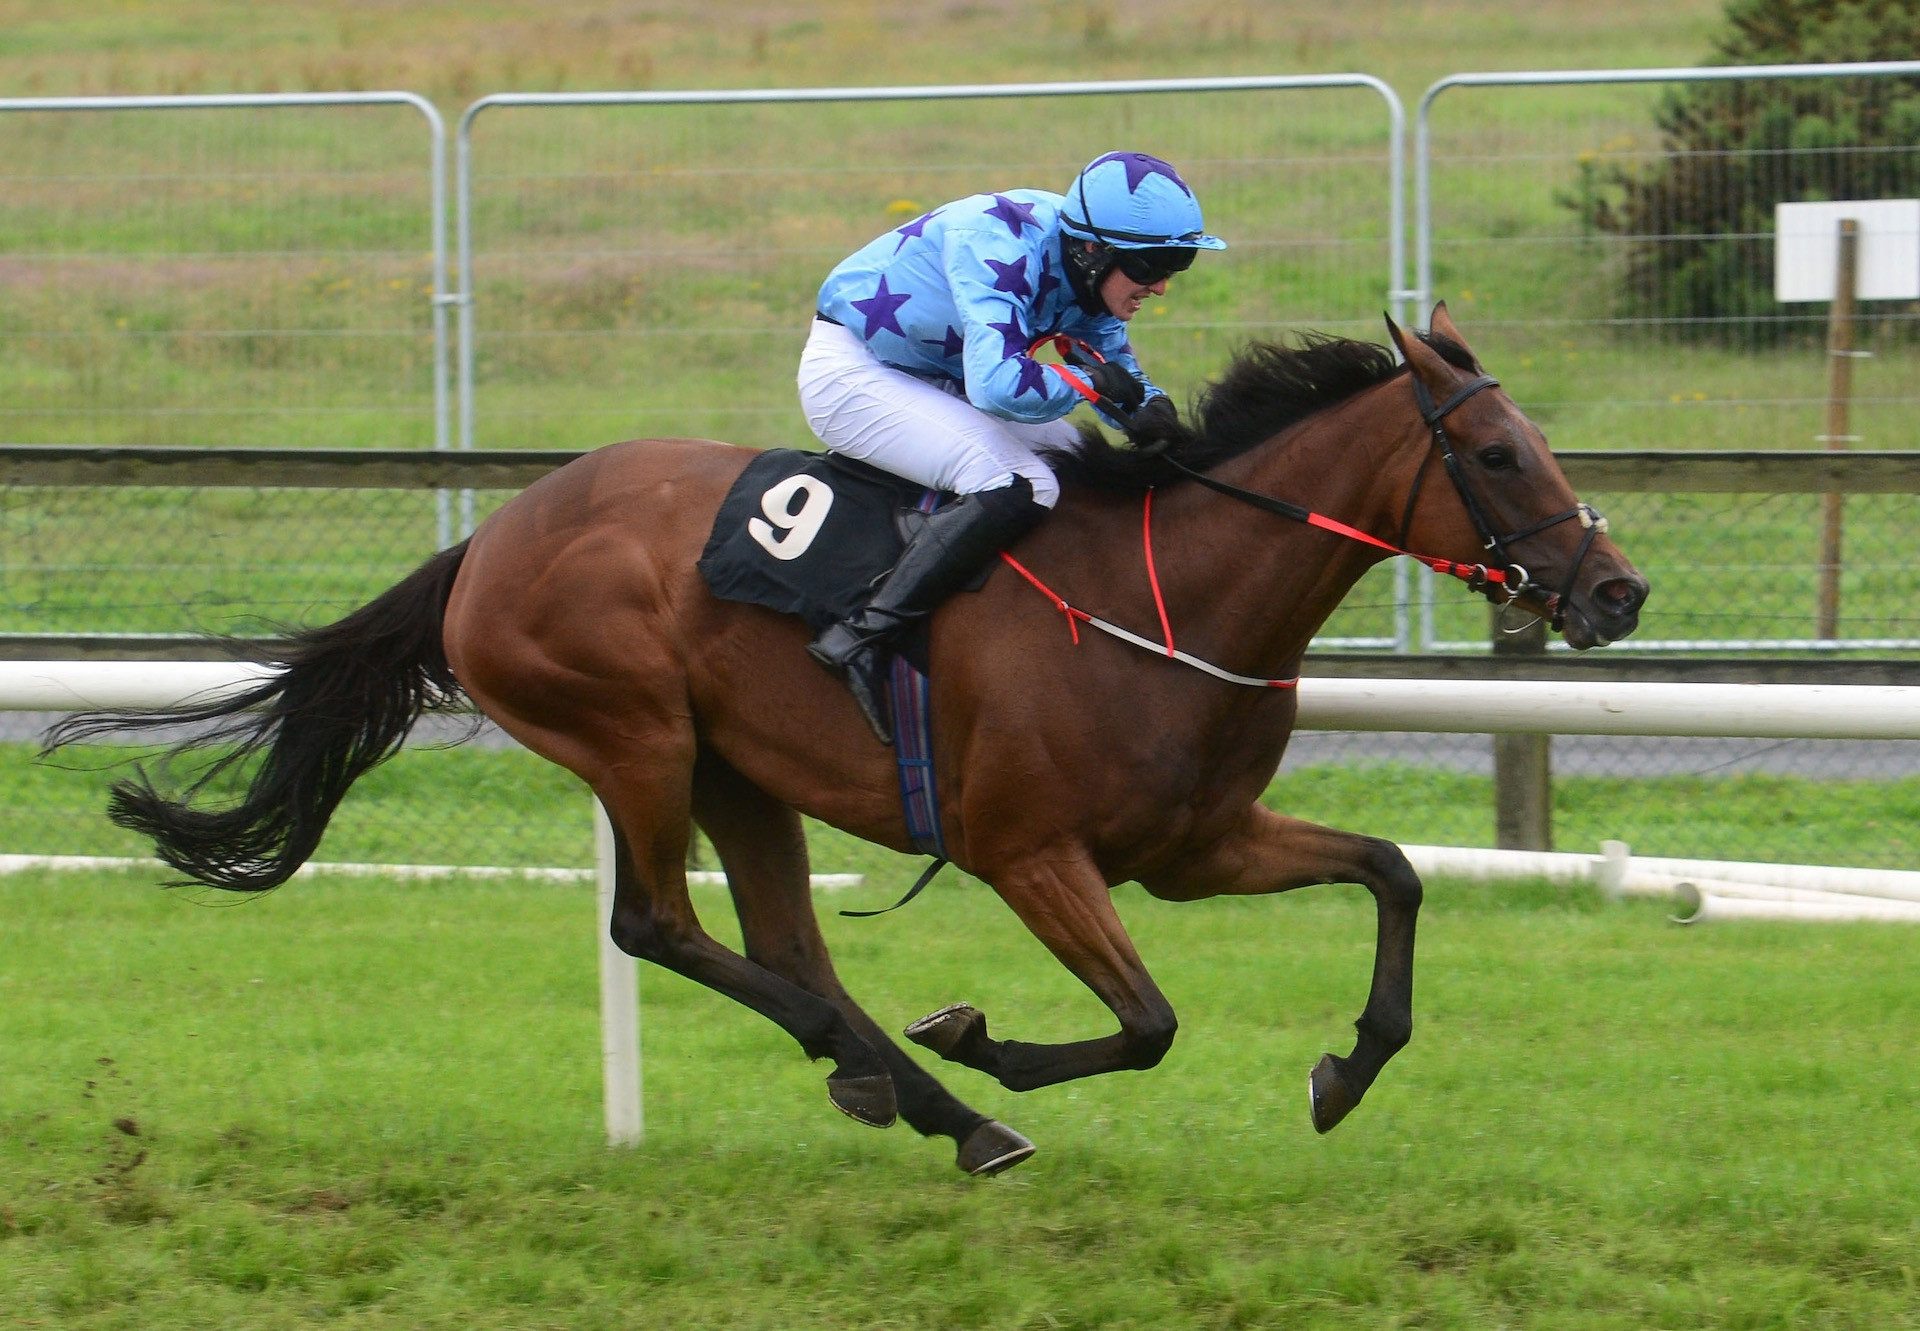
[[1140, 166], [1013, 338], [1033, 377], [879, 308], [951, 345], [1018, 216], [914, 229], [1011, 277]]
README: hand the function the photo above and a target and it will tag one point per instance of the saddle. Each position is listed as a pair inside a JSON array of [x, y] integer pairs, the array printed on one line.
[[809, 534]]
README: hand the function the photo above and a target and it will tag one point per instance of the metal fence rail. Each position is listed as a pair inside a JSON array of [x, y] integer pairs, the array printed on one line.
[[641, 263], [670, 235]]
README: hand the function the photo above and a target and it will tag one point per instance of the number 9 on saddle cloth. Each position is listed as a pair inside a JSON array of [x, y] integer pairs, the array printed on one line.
[[808, 534]]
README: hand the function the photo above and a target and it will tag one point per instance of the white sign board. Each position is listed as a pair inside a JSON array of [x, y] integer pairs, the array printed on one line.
[[1806, 249]]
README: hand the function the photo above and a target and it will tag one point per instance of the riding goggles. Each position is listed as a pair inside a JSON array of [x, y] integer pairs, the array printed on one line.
[[1157, 264]]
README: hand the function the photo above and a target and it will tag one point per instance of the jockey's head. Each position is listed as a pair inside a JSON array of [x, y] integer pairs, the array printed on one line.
[[1132, 212]]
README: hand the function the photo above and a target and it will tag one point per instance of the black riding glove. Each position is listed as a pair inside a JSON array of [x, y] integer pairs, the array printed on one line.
[[1154, 419], [1120, 393]]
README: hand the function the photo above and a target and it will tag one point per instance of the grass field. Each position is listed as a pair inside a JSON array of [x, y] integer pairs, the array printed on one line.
[[377, 1106], [456, 50]]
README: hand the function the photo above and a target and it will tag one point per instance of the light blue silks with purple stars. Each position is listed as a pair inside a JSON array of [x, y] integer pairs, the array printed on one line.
[[960, 293]]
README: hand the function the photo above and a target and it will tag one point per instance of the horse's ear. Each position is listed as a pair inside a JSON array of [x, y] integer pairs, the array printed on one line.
[[1442, 323], [1400, 339], [1421, 358]]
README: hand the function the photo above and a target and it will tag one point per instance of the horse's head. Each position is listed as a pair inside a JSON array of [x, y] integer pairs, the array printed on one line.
[[1506, 500]]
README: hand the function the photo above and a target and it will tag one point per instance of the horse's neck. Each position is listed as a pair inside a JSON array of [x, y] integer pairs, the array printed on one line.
[[1260, 585]]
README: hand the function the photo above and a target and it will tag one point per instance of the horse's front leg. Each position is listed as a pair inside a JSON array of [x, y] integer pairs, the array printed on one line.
[[1068, 906], [1268, 852]]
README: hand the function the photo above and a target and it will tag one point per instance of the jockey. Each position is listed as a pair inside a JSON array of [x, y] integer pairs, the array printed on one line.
[[919, 363]]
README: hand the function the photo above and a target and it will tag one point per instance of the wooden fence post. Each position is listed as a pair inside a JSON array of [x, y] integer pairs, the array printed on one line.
[[1522, 764], [1838, 436]]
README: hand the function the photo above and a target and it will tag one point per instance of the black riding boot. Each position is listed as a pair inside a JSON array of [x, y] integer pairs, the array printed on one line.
[[950, 547]]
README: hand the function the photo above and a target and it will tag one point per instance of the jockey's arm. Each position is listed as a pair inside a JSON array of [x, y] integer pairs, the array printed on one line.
[[996, 324]]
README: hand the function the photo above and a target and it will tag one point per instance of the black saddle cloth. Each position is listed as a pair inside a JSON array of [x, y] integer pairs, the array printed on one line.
[[808, 534]]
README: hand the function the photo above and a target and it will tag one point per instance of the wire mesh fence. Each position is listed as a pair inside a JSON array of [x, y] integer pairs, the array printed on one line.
[[221, 271], [1609, 237], [1744, 571], [241, 560], [490, 803], [650, 268], [248, 560], [1663, 796]]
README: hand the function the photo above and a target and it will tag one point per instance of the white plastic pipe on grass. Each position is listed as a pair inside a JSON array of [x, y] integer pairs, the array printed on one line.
[[1893, 884], [1698, 907], [1615, 870]]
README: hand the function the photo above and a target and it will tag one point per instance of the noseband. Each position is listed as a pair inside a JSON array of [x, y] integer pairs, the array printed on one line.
[[1517, 581]]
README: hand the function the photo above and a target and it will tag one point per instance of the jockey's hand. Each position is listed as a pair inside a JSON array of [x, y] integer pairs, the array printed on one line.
[[1119, 391], [1155, 418]]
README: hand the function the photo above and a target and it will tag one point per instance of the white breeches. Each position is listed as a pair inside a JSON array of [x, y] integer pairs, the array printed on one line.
[[926, 432]]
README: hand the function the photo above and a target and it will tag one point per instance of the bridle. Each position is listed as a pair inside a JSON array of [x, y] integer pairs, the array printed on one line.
[[1503, 581], [1516, 580]]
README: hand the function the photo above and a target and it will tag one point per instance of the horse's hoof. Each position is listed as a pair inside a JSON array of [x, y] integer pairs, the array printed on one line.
[[1330, 1094], [868, 1100], [992, 1148], [949, 1028]]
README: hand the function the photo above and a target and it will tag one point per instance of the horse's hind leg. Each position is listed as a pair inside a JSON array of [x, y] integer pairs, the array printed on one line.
[[653, 918], [764, 851]]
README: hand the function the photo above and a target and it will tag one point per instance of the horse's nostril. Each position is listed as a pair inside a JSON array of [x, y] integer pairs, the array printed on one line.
[[1621, 596]]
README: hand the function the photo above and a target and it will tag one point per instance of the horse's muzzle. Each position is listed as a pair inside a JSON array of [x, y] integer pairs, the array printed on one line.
[[1604, 613]]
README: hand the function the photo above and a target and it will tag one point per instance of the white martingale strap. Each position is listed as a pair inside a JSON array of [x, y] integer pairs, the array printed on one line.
[[1075, 614], [1184, 658]]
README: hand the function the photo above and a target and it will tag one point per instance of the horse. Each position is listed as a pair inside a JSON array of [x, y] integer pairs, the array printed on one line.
[[574, 619]]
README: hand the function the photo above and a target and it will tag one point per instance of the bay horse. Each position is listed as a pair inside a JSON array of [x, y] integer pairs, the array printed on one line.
[[574, 619]]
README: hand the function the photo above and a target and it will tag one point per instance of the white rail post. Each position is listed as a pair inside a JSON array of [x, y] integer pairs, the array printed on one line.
[[619, 1004]]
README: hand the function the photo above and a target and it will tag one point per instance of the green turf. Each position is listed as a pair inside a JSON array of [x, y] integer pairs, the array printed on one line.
[[377, 1106]]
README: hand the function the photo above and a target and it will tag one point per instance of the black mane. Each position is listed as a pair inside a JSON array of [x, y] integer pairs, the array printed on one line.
[[1268, 387]]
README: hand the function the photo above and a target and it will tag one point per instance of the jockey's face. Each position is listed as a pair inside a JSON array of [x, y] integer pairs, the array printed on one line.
[[1123, 296]]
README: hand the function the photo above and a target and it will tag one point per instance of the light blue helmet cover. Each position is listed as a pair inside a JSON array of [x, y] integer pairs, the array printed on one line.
[[1131, 201]]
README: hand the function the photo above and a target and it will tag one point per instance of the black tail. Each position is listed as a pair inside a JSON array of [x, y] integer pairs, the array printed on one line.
[[344, 699]]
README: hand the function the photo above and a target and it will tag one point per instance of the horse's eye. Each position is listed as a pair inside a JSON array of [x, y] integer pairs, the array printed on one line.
[[1497, 457]]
